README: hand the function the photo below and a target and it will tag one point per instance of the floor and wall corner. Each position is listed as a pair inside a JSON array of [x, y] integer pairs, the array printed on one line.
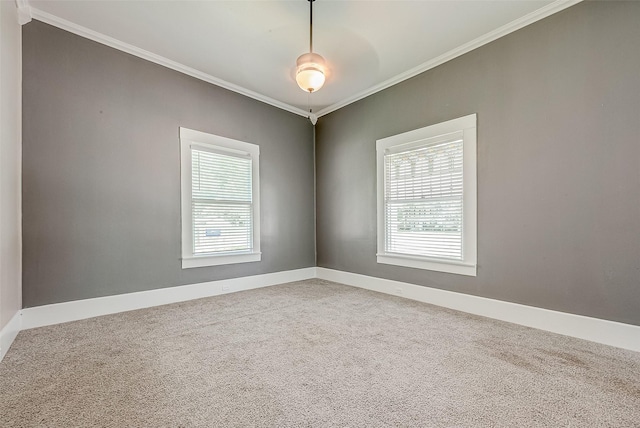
[[90, 198]]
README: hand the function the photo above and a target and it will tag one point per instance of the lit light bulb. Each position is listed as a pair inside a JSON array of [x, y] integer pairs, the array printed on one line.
[[310, 72]]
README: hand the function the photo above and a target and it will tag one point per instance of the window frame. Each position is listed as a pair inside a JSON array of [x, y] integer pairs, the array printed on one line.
[[188, 139], [468, 264]]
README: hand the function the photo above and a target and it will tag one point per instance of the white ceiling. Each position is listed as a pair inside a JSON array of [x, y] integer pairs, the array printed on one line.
[[252, 46]]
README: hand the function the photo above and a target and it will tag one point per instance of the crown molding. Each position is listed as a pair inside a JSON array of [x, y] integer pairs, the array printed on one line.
[[519, 23], [149, 56], [24, 11], [27, 12]]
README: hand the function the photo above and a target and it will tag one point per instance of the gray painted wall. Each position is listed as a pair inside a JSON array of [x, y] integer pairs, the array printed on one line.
[[101, 177], [10, 135], [558, 106]]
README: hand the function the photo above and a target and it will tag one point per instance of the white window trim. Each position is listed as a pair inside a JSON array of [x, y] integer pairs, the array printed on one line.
[[189, 138], [467, 266]]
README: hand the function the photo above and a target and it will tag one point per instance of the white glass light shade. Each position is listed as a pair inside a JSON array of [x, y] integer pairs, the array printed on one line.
[[310, 72]]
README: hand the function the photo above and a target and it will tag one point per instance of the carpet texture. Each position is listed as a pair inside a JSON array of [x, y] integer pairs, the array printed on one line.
[[312, 353]]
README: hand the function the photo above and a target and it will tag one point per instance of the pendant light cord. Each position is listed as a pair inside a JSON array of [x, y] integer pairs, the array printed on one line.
[[311, 25]]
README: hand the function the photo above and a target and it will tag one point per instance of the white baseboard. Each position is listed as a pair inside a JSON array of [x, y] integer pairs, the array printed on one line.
[[9, 333], [596, 330], [57, 313], [611, 333]]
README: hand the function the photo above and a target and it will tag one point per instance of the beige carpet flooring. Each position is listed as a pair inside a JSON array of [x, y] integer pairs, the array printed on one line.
[[312, 353]]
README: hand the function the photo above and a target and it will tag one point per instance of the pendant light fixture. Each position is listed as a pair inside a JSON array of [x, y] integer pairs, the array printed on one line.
[[310, 67]]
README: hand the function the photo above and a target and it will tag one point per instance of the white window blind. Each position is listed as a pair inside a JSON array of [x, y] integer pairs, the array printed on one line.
[[426, 197], [423, 200], [221, 198]]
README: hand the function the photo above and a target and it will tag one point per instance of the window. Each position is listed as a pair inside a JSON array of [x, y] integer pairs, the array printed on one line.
[[220, 200], [427, 197]]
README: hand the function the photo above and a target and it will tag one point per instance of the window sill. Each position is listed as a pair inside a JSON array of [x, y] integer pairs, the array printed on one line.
[[202, 261], [428, 264]]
